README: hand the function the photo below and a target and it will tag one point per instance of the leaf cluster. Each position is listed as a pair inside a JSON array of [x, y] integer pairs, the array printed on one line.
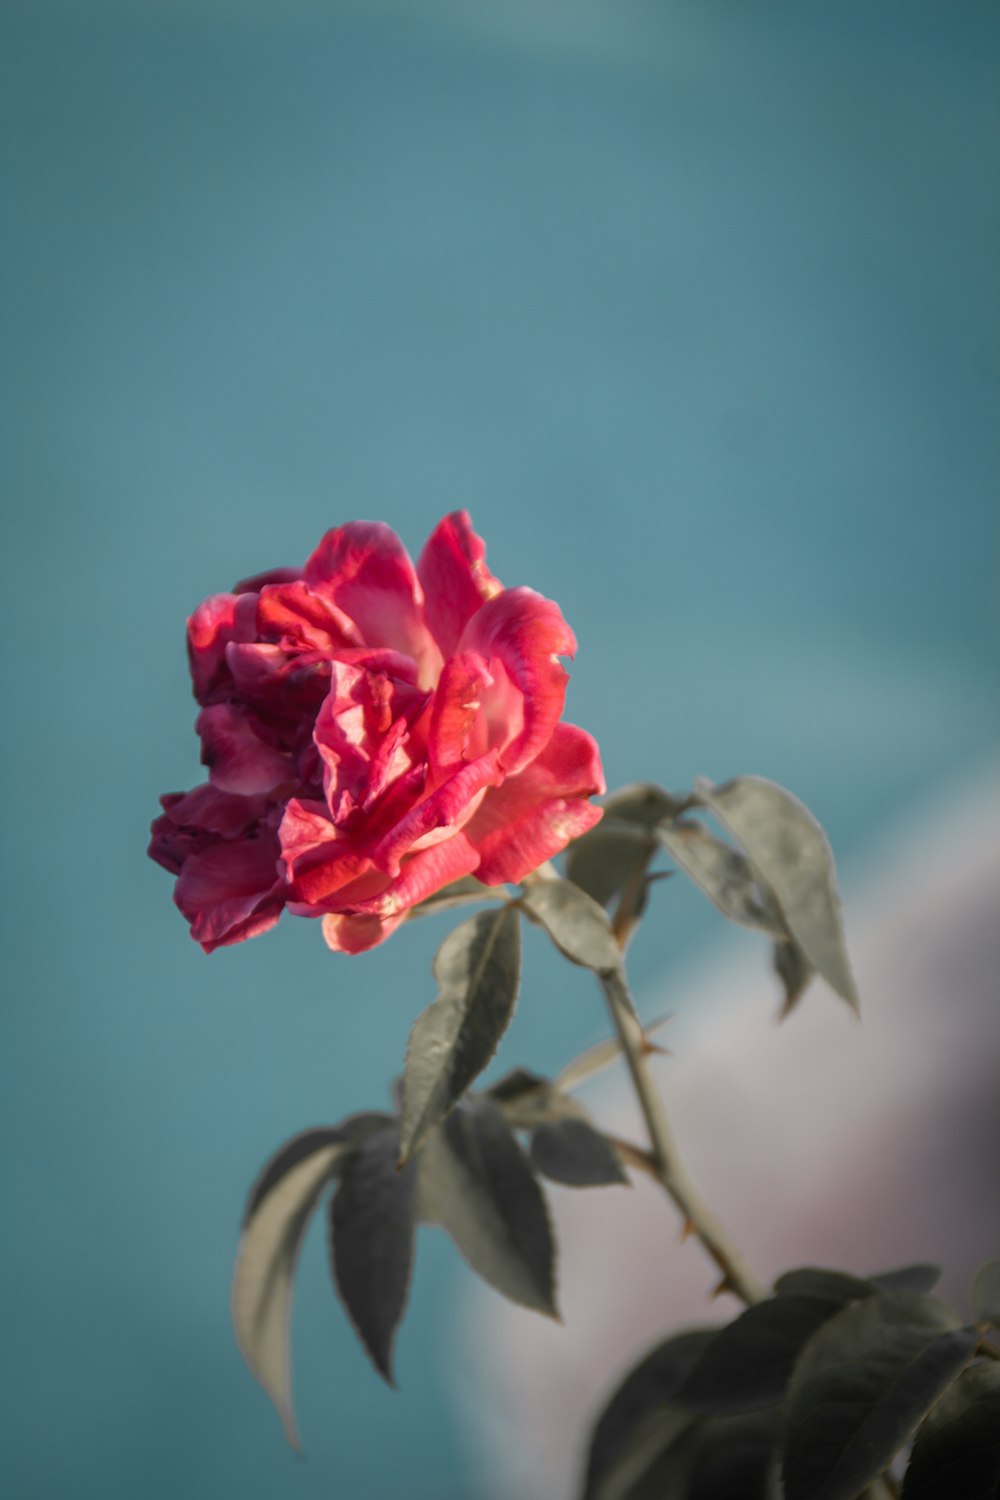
[[774, 872], [476, 1174], [811, 1395]]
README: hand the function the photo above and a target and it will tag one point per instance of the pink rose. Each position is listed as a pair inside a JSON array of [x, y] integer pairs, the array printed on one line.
[[372, 733]]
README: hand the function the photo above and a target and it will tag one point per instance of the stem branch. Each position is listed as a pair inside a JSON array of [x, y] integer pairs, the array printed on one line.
[[737, 1274]]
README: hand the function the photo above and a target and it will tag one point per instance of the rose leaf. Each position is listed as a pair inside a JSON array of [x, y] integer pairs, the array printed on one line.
[[277, 1216], [956, 1455], [791, 856], [724, 874], [863, 1383], [749, 1362], [986, 1294], [478, 970], [604, 861], [474, 1180], [574, 1153], [922, 1276], [639, 1405], [371, 1243], [577, 925]]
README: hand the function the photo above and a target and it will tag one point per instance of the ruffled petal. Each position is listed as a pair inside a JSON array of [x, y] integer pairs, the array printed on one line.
[[288, 686], [533, 816], [292, 614], [262, 580], [364, 569], [458, 729], [442, 813], [237, 760], [357, 934], [220, 619], [231, 891], [316, 860], [455, 578], [525, 634], [371, 922]]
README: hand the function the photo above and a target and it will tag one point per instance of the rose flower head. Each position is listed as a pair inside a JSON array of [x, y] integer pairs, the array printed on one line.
[[372, 732]]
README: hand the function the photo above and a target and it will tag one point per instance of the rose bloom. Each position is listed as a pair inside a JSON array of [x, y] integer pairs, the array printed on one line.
[[372, 732]]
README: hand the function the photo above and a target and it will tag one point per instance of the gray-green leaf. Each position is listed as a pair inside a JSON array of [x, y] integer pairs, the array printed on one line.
[[478, 970], [861, 1386], [724, 874], [577, 925], [791, 855], [956, 1455], [605, 861], [460, 893], [475, 1181], [278, 1214]]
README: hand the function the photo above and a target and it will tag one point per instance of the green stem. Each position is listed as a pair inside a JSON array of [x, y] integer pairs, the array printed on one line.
[[736, 1273]]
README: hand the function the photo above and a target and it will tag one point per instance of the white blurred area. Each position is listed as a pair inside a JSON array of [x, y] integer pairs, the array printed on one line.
[[820, 1141]]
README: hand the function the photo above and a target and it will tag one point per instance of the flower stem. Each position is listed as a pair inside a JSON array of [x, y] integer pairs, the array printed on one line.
[[737, 1275]]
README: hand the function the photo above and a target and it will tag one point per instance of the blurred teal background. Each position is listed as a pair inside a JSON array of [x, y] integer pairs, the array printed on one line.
[[695, 304]]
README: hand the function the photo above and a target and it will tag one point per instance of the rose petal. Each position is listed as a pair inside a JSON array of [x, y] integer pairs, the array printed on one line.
[[231, 891], [525, 633], [364, 569], [292, 613], [316, 859], [534, 815], [237, 760], [287, 685], [458, 730], [455, 578], [446, 809], [220, 619], [357, 934], [421, 874], [262, 580], [207, 807]]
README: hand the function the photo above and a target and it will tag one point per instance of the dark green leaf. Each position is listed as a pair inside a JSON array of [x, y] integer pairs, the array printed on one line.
[[576, 924], [606, 860], [791, 856], [658, 1460], [748, 1363], [734, 1458], [574, 1153], [517, 1084], [861, 1386], [922, 1276], [724, 874], [528, 1101], [956, 1455], [478, 969], [986, 1294], [844, 1286], [353, 1130], [794, 970], [817, 1281], [475, 1181], [278, 1213], [642, 1398], [371, 1243]]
